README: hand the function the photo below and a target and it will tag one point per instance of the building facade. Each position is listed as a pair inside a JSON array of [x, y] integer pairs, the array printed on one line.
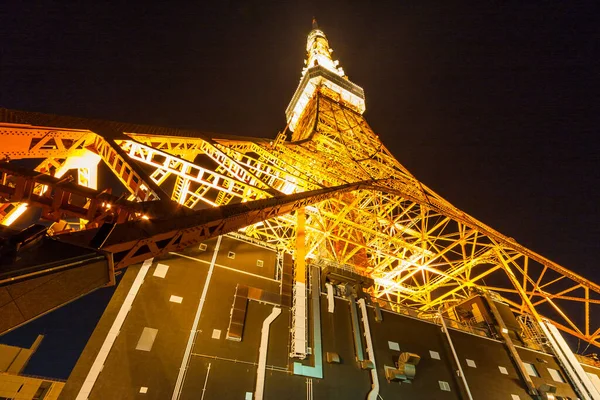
[[14, 385]]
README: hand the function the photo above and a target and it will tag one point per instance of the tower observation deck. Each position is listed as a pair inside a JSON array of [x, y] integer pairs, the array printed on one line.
[[314, 265]]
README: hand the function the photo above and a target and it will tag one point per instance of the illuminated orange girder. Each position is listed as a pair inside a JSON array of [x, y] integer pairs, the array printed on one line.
[[191, 173], [131, 176], [61, 198], [420, 250], [11, 211]]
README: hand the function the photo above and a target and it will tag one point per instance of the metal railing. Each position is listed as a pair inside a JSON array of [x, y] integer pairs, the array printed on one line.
[[322, 263], [432, 317]]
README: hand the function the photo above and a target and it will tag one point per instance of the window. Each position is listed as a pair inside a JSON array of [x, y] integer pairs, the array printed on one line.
[[42, 390], [471, 363], [556, 375], [202, 247], [176, 299], [503, 370], [393, 346], [259, 263], [161, 270], [445, 386], [146, 339], [231, 255], [531, 370], [143, 389], [435, 355], [515, 397]]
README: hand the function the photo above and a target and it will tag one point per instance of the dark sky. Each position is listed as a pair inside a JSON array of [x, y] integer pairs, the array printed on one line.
[[495, 107]]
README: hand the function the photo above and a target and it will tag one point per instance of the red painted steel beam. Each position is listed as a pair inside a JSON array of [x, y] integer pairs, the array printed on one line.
[[65, 199]]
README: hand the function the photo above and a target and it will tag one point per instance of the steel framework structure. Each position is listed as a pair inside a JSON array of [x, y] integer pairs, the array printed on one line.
[[372, 214]]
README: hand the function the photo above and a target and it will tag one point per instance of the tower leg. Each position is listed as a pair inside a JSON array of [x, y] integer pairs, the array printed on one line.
[[87, 175], [299, 348]]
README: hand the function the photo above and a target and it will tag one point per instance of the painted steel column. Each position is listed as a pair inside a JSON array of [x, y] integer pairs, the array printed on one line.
[[262, 353], [87, 175], [299, 345]]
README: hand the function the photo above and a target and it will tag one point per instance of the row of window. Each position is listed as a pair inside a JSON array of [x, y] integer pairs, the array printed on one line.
[[530, 368], [555, 374]]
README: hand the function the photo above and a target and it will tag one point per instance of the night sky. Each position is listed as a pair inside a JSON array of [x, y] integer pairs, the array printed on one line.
[[495, 107]]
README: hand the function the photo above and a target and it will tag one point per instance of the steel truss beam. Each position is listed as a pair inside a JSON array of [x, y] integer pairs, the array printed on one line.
[[190, 173]]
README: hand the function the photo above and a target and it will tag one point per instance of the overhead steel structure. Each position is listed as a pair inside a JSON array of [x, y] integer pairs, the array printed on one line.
[[330, 177]]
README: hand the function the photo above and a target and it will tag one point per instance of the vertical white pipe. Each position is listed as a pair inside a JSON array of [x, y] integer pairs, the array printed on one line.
[[374, 393], [205, 382], [330, 299], [262, 353]]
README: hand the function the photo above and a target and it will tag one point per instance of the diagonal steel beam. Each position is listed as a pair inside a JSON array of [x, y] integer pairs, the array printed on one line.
[[135, 241]]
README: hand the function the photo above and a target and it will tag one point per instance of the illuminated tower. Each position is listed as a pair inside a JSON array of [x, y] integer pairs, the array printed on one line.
[[331, 198], [420, 249]]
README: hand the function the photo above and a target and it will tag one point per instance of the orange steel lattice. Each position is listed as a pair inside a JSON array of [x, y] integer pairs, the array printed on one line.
[[363, 209]]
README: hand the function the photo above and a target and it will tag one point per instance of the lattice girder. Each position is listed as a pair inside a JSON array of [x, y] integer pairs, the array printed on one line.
[[191, 173], [26, 141], [189, 149]]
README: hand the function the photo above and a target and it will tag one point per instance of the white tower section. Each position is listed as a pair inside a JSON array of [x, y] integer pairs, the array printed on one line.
[[322, 70], [319, 53]]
